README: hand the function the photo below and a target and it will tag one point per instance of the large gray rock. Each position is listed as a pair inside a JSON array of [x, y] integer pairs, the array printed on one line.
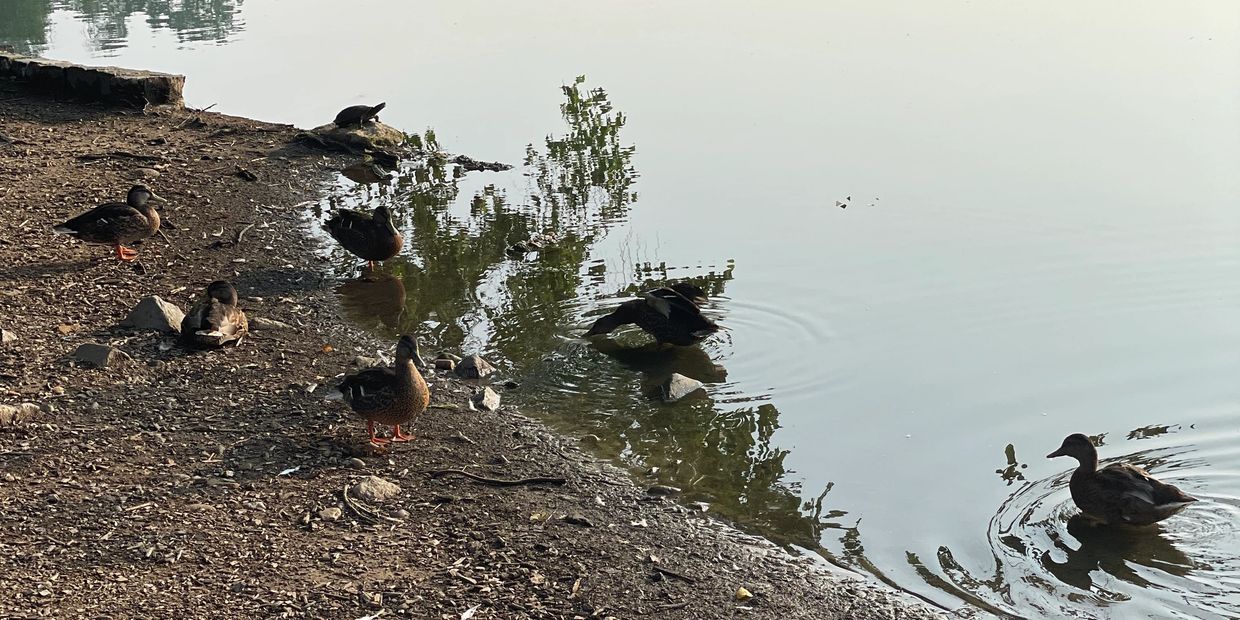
[[486, 400], [17, 414], [374, 490], [474, 367], [100, 355], [155, 313], [373, 136], [679, 386]]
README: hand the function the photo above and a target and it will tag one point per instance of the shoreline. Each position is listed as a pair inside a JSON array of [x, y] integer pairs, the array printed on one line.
[[212, 484]]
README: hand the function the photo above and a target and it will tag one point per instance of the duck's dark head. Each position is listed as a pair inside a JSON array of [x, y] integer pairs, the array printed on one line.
[[407, 349], [223, 292], [692, 292], [139, 195], [383, 215], [1077, 446]]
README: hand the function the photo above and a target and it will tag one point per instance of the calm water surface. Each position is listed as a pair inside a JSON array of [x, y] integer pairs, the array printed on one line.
[[1039, 234]]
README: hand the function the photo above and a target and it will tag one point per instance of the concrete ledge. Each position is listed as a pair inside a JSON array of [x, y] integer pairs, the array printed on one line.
[[110, 85]]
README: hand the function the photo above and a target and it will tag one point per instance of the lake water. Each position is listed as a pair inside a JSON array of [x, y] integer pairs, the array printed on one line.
[[943, 235]]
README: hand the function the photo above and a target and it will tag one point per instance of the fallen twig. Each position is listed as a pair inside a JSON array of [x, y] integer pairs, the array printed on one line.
[[673, 574], [499, 482], [363, 513], [118, 155]]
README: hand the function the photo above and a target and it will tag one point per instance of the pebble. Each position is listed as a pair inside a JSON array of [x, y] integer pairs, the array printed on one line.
[[331, 514], [356, 463], [486, 400], [99, 355], [374, 489], [474, 367]]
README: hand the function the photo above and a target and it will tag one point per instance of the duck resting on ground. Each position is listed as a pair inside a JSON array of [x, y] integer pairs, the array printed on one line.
[[670, 314], [117, 223], [370, 236], [392, 396], [1118, 493], [358, 115], [215, 320]]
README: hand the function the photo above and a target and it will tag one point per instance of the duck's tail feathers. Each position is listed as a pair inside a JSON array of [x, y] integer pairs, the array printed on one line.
[[61, 229]]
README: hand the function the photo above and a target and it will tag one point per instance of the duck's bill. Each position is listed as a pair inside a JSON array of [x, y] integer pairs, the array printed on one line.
[[1054, 454], [157, 198]]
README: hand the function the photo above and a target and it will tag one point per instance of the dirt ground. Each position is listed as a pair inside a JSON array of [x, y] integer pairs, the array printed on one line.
[[212, 485]]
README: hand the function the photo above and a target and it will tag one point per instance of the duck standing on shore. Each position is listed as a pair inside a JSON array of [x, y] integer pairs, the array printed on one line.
[[358, 115], [671, 314], [370, 236], [1118, 493], [392, 396], [117, 223], [215, 320]]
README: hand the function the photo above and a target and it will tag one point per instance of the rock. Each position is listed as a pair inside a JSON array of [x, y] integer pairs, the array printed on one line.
[[139, 174], [679, 386], [155, 313], [374, 489], [111, 85], [7, 337], [442, 364], [486, 400], [511, 385], [661, 490], [100, 355], [356, 463], [373, 136], [579, 520], [743, 595], [444, 355], [331, 514], [474, 367], [365, 362], [260, 323], [17, 414]]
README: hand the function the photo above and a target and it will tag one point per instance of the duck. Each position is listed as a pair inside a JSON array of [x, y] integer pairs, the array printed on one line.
[[671, 314], [370, 236], [117, 223], [358, 114], [1118, 493], [215, 320], [392, 396]]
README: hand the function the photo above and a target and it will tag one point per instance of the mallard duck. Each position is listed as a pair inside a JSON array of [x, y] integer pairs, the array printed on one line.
[[358, 114], [117, 223], [215, 320], [372, 237], [392, 396], [670, 314], [1118, 493]]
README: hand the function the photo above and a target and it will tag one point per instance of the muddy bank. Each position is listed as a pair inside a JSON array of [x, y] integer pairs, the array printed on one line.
[[198, 485]]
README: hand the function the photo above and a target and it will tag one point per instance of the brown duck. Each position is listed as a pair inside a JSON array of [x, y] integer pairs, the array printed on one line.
[[670, 314], [215, 320], [117, 223], [1118, 493], [370, 236], [392, 396]]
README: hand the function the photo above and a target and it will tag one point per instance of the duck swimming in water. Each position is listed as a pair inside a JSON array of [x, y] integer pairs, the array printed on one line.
[[117, 223], [1118, 493], [670, 314], [370, 236], [392, 396]]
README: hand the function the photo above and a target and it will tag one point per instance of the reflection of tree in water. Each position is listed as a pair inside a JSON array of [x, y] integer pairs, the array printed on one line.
[[465, 291], [23, 23]]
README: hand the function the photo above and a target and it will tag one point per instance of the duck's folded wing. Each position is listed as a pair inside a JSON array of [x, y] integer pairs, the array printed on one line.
[[348, 226], [369, 389], [1140, 492], [105, 219], [668, 302]]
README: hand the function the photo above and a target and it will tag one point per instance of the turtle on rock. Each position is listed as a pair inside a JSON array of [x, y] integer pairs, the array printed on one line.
[[358, 115]]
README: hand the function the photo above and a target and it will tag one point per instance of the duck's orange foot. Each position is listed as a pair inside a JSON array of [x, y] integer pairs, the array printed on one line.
[[399, 436], [124, 253]]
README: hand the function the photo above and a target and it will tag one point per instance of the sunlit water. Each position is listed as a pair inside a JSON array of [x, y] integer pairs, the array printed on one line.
[[1039, 235]]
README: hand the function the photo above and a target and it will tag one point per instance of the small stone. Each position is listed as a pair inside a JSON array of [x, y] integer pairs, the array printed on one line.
[[374, 489], [578, 520], [331, 514], [662, 490], [260, 323], [155, 313], [362, 361], [444, 364], [486, 400], [100, 355], [511, 385], [7, 337], [743, 595], [679, 386], [402, 514], [444, 355], [356, 463], [25, 412], [474, 367]]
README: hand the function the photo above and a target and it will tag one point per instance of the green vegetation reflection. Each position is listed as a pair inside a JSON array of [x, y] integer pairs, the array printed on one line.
[[24, 23]]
